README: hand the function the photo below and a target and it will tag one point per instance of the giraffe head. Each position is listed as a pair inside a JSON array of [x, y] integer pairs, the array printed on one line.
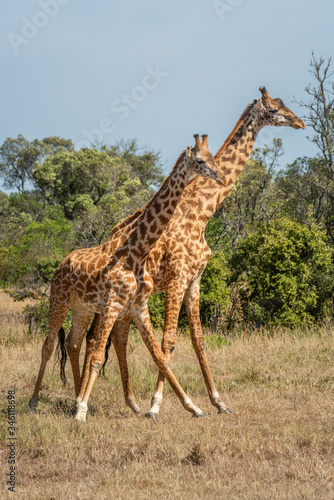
[[273, 112], [201, 161]]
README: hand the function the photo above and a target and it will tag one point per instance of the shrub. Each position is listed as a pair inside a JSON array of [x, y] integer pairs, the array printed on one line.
[[156, 304], [287, 273], [214, 297]]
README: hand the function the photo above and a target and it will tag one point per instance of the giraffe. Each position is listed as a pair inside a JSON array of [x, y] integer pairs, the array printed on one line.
[[179, 258], [102, 280]]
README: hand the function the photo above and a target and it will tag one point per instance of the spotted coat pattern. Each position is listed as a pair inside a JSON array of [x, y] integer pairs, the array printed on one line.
[[179, 258], [112, 279]]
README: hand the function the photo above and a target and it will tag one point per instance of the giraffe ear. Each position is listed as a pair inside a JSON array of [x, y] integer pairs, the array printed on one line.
[[188, 151]]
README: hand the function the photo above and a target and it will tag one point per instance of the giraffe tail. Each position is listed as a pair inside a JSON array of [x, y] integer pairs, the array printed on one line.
[[61, 354], [106, 355]]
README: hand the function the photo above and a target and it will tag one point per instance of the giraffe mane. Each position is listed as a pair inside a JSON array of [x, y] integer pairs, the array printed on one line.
[[179, 160], [131, 218], [241, 120], [139, 213]]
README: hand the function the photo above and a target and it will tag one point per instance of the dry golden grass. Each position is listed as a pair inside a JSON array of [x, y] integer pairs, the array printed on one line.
[[278, 443]]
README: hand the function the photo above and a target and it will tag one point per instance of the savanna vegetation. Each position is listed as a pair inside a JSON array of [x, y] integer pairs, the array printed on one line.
[[277, 444], [272, 238], [266, 304]]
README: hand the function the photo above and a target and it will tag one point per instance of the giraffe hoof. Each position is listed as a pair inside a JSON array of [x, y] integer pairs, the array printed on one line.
[[81, 412], [80, 418], [150, 414], [138, 412], [199, 415], [33, 405], [225, 410]]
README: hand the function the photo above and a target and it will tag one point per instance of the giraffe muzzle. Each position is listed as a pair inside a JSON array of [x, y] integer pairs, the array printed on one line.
[[298, 123]]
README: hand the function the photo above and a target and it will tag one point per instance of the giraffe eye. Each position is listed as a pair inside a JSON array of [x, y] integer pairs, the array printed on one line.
[[200, 162], [273, 111]]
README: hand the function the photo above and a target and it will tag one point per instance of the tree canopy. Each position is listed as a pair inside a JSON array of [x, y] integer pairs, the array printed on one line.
[[271, 239]]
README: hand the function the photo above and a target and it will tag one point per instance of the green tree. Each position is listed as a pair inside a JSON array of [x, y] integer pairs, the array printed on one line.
[[18, 156], [33, 254], [305, 185], [320, 110], [146, 164], [309, 182], [285, 273], [79, 181]]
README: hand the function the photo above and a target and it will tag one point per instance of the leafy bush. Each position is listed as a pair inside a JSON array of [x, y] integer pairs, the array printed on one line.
[[156, 304], [287, 273], [214, 297]]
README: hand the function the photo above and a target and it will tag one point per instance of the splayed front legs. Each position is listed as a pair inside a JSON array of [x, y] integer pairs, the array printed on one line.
[[142, 319], [174, 297], [95, 358]]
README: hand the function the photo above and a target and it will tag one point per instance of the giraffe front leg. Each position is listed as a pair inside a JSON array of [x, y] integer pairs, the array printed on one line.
[[173, 302], [91, 339], [80, 321], [142, 319], [192, 306], [95, 357], [119, 337]]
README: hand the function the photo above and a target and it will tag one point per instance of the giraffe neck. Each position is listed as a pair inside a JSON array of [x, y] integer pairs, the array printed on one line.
[[150, 225], [205, 196]]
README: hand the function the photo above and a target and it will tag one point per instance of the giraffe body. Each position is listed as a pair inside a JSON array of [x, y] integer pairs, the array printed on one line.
[[179, 258], [176, 262], [111, 279]]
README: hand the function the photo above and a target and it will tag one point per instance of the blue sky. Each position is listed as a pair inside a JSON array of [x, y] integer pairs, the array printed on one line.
[[156, 71]]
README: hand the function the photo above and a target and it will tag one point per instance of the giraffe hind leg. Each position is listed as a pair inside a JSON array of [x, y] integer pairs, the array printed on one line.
[[119, 337], [57, 316], [173, 302], [192, 307]]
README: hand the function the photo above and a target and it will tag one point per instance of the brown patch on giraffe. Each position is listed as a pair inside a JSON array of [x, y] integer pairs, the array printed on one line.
[[151, 240], [101, 262], [130, 261], [165, 194], [149, 216], [157, 206], [163, 220], [142, 230]]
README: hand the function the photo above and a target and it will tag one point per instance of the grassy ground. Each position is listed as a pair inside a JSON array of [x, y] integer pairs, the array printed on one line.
[[278, 443]]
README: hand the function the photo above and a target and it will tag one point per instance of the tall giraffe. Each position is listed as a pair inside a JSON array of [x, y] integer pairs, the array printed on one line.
[[108, 282], [179, 258]]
